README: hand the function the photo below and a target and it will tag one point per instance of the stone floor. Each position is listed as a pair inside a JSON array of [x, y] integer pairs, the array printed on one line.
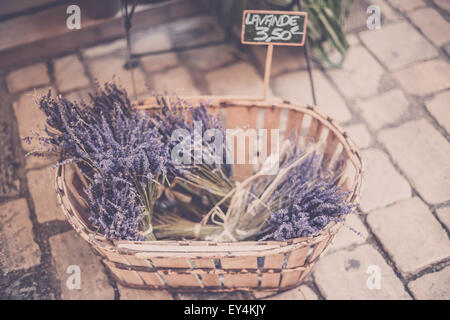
[[392, 96]]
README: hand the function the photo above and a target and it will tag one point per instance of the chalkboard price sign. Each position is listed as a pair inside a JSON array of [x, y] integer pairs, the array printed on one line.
[[274, 27]]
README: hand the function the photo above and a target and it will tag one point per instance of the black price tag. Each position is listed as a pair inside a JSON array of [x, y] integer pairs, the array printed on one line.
[[263, 27]]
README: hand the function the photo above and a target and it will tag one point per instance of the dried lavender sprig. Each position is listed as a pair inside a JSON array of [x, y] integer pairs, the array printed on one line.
[[176, 113], [307, 201], [118, 150]]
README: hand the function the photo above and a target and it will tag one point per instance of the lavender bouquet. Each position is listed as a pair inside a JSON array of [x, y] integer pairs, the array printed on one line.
[[137, 189], [124, 155], [299, 201], [118, 150]]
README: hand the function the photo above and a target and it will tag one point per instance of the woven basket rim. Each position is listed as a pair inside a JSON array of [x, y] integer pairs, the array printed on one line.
[[226, 247]]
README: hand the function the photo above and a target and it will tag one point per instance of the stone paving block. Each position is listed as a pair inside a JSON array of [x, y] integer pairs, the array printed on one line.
[[353, 274], [9, 184], [69, 73], [117, 47], [174, 81], [359, 75], [68, 249], [196, 30], [432, 286], [424, 155], [446, 49], [302, 292], [137, 294], [296, 87], [425, 78], [81, 95], [383, 185], [357, 17], [285, 58], [387, 83], [359, 134], [444, 4], [159, 62], [347, 236], [439, 107], [444, 215], [154, 39], [28, 77], [237, 79], [407, 5], [410, 234], [384, 109], [105, 70], [24, 285], [28, 115], [32, 162], [334, 55], [398, 45], [352, 40], [208, 58], [432, 24], [18, 249], [386, 11], [41, 184]]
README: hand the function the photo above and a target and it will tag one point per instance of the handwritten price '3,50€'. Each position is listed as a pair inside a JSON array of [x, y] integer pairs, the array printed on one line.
[[264, 33]]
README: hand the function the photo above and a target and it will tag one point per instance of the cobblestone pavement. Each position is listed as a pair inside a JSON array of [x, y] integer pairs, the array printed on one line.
[[392, 96]]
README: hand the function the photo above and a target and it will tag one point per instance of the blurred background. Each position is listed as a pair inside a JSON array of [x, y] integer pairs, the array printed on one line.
[[380, 69]]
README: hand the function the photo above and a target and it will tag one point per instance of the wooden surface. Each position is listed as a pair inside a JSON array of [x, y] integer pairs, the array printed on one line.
[[45, 34], [10, 8]]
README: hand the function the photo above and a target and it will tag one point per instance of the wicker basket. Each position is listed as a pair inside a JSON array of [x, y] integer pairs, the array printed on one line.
[[210, 266]]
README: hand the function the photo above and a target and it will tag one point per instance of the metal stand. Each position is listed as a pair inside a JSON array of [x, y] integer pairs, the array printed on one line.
[[308, 61]]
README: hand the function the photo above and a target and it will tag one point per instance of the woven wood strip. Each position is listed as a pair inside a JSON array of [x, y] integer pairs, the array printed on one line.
[[274, 261], [297, 257], [126, 276], [203, 263], [241, 280], [319, 248], [114, 257], [290, 278], [169, 262], [243, 118], [331, 144], [270, 280], [151, 279], [176, 280], [314, 131], [133, 261], [294, 123], [244, 262], [272, 119], [163, 271], [210, 280]]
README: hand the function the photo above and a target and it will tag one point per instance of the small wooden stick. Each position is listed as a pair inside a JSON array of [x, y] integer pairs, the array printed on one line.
[[267, 69]]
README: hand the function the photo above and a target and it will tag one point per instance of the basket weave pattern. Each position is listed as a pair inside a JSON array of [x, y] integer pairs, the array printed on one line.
[[224, 266]]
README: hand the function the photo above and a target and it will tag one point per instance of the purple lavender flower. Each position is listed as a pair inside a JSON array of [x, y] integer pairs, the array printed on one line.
[[179, 114], [115, 208], [119, 151], [308, 200]]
